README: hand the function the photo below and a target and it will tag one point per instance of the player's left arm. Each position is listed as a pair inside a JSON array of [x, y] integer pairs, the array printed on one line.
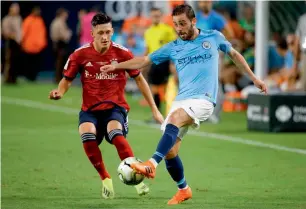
[[242, 65], [226, 47], [146, 92]]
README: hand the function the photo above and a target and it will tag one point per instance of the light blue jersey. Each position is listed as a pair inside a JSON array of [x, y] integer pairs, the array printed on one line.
[[196, 63]]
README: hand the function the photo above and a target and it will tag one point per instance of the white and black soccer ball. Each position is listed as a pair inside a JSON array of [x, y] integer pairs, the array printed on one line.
[[126, 174]]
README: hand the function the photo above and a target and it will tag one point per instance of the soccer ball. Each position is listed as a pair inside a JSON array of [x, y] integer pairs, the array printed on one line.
[[126, 174]]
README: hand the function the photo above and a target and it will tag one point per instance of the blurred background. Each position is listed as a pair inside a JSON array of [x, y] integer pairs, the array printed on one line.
[[246, 159], [37, 38]]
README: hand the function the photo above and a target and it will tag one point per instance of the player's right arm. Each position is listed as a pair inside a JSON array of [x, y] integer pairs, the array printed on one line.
[[157, 57], [62, 88], [71, 69]]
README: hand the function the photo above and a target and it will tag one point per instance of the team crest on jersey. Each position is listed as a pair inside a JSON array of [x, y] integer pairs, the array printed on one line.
[[206, 45], [114, 61]]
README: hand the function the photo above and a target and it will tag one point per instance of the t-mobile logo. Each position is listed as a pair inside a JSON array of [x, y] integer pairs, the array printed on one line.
[[105, 76]]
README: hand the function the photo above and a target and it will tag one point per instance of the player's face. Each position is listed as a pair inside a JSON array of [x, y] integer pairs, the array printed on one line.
[[205, 6], [102, 34], [156, 16], [15, 9], [183, 26]]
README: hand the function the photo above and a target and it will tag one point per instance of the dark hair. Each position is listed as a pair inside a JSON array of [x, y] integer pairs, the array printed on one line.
[[282, 43], [60, 11], [184, 9], [99, 19]]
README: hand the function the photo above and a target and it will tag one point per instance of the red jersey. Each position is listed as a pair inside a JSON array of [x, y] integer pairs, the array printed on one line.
[[100, 90]]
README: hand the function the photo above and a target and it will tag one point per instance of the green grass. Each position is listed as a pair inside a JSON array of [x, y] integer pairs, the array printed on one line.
[[44, 166]]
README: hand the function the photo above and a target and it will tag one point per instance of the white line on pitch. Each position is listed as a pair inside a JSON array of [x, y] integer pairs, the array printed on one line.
[[67, 110]]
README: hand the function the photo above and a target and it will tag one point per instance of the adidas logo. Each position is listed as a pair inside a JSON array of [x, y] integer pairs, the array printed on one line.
[[88, 64]]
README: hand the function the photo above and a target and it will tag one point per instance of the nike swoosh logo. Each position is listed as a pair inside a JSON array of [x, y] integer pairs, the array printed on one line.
[[191, 109]]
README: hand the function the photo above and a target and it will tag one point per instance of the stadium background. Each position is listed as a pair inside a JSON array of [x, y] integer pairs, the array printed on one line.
[[229, 166], [277, 20]]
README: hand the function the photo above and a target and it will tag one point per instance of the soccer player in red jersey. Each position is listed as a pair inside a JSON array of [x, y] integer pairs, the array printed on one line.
[[104, 109]]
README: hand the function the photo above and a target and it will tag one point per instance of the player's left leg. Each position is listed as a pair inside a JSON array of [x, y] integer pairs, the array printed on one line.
[[177, 119], [175, 168], [116, 136], [184, 114]]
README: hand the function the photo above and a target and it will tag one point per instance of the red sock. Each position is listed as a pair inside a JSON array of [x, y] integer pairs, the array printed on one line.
[[123, 148], [94, 155]]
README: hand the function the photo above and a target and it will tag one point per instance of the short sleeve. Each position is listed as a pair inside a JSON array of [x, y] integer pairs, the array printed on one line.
[[223, 44], [161, 55], [71, 67], [132, 73]]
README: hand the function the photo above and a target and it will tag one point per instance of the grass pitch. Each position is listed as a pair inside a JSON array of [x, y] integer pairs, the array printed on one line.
[[44, 166]]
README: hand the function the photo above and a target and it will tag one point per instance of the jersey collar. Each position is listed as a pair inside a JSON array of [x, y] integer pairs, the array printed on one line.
[[109, 49]]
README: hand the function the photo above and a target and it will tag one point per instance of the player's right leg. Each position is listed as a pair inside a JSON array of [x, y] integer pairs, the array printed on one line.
[[88, 133], [116, 133]]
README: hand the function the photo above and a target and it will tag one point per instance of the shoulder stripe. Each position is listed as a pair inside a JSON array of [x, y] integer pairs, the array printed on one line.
[[120, 46]]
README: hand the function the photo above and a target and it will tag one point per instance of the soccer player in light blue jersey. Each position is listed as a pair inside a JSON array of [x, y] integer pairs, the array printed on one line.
[[195, 54]]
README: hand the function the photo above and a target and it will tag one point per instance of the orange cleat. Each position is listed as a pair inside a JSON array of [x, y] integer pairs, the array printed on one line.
[[181, 196], [147, 168]]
